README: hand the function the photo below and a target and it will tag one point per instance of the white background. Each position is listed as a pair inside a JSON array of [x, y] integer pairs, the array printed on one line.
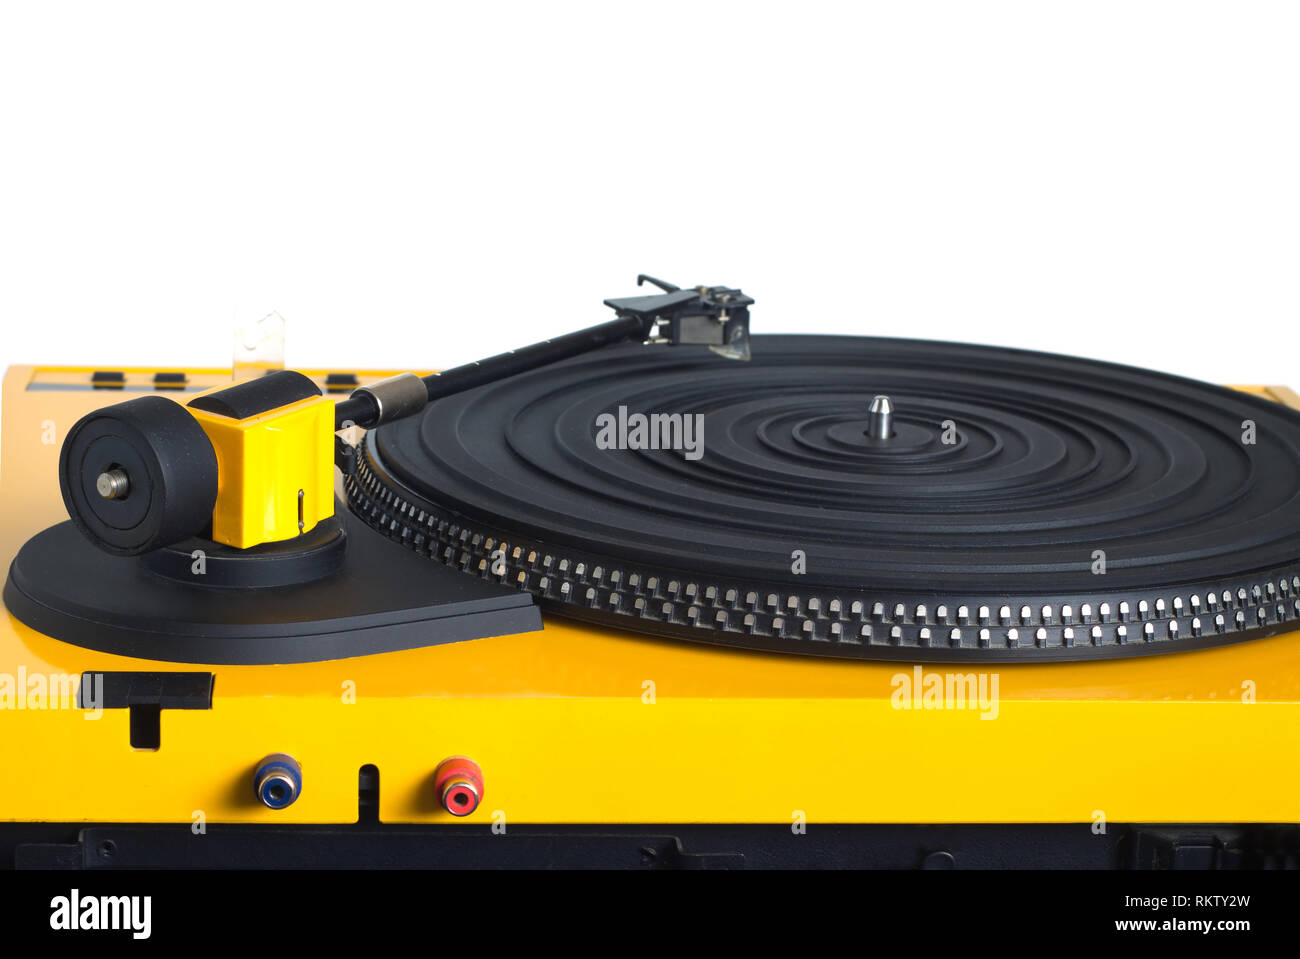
[[425, 184]]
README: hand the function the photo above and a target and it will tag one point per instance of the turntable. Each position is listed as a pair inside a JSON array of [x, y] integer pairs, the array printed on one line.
[[660, 592]]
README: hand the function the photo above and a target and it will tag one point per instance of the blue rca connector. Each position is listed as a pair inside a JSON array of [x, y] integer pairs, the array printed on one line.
[[278, 781]]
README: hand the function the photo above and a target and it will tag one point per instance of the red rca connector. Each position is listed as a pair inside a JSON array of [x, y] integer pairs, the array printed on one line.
[[458, 781]]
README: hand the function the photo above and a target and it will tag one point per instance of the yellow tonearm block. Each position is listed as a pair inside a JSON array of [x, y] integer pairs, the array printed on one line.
[[275, 460], [275, 471]]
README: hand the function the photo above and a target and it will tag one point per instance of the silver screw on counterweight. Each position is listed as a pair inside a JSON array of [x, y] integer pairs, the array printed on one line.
[[112, 484], [881, 426]]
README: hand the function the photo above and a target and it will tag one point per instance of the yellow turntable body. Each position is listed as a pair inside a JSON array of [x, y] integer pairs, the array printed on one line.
[[575, 724]]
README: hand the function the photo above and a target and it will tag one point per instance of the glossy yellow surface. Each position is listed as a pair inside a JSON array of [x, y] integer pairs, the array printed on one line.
[[574, 724], [275, 471]]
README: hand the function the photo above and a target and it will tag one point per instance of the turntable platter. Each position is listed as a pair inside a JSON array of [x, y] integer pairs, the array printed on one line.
[[1019, 506]]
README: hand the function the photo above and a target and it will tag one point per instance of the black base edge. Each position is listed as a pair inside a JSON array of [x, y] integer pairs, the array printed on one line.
[[1129, 846]]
